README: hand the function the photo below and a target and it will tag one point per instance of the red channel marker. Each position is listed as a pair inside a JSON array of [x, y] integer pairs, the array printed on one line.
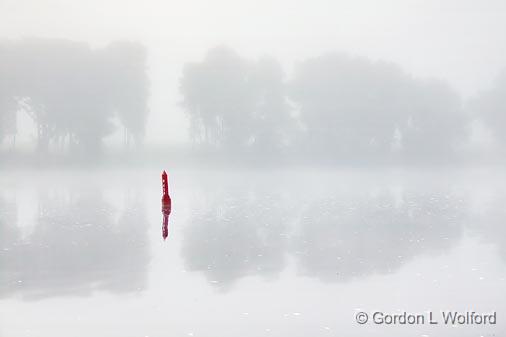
[[166, 205]]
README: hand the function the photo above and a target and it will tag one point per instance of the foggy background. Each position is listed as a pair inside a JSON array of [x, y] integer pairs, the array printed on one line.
[[325, 82]]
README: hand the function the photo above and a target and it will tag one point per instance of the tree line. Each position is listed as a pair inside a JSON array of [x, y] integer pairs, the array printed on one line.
[[334, 107], [72, 92]]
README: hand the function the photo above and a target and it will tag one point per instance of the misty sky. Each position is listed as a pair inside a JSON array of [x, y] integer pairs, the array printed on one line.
[[458, 41]]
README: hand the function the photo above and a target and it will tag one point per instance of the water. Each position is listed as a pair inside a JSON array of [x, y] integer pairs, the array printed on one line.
[[249, 253]]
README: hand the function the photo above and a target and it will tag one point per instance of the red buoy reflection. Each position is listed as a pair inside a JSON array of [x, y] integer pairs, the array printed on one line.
[[166, 205], [165, 226]]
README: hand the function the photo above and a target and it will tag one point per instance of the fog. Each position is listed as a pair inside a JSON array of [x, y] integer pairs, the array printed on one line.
[[361, 82], [324, 158]]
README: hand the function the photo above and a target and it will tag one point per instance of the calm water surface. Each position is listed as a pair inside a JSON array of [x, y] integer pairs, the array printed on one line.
[[270, 253]]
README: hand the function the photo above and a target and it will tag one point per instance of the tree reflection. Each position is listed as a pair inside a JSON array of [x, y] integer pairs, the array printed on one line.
[[77, 247], [235, 235], [341, 239], [335, 239], [10, 236]]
